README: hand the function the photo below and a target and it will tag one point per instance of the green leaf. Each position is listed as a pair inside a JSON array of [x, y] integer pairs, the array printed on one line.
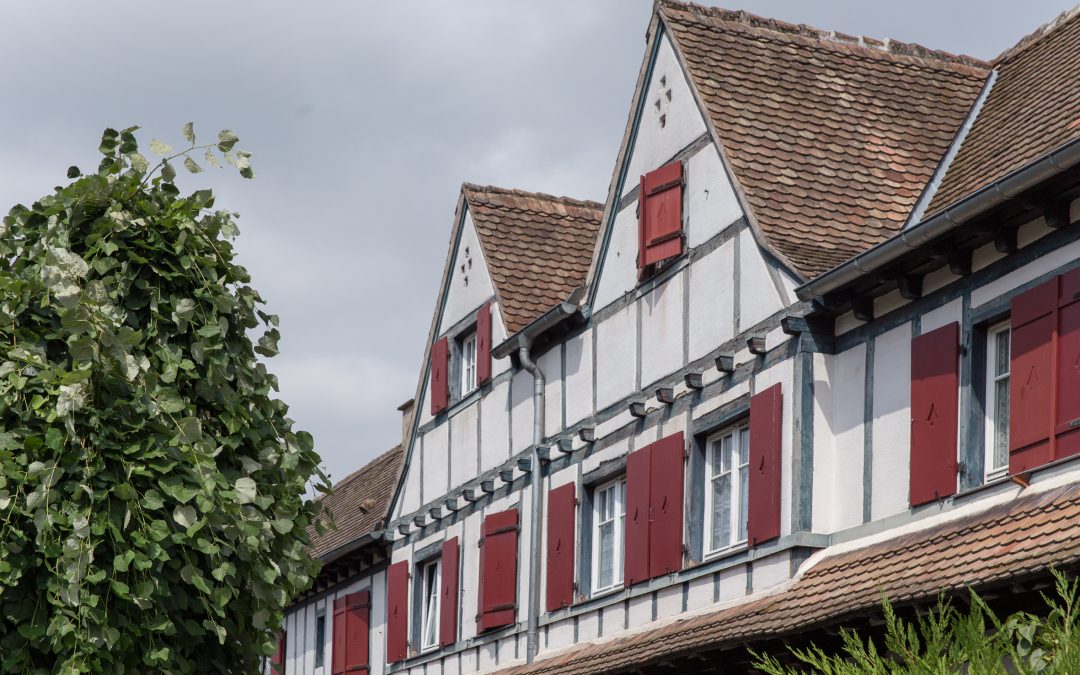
[[168, 173], [152, 500], [170, 401], [108, 142], [190, 430], [189, 132], [73, 172], [191, 166], [246, 490], [159, 148], [138, 162], [212, 159], [175, 488], [226, 140], [184, 516]]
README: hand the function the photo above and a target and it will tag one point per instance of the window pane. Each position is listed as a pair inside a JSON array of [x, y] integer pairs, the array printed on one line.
[[725, 455], [744, 498], [320, 640], [1001, 361], [606, 571], [744, 446], [1001, 423], [721, 512]]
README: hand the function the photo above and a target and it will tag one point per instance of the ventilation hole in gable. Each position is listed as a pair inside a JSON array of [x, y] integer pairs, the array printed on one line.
[[663, 121], [668, 94]]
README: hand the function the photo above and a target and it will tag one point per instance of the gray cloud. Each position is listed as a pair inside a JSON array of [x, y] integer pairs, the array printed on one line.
[[364, 119]]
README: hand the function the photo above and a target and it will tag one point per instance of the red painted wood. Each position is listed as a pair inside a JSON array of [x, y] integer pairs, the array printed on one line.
[[356, 635], [561, 518], [448, 600], [636, 555], [338, 631], [1031, 409], [498, 573], [666, 462], [766, 444], [660, 217], [1067, 384], [483, 344], [277, 662], [440, 380], [397, 612], [935, 398]]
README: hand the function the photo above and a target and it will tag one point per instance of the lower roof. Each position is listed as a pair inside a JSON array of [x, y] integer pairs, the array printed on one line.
[[1007, 542]]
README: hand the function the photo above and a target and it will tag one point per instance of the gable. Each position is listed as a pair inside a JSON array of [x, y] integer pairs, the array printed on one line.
[[469, 285]]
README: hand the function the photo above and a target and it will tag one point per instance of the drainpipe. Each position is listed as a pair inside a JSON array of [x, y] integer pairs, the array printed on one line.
[[536, 514]]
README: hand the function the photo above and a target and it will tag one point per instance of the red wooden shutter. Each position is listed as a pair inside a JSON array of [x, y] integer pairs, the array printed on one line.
[[440, 380], [1031, 411], [397, 612], [277, 662], [636, 555], [766, 456], [935, 399], [660, 214], [351, 634], [498, 570], [562, 512], [1067, 420], [483, 344], [448, 603], [666, 464]]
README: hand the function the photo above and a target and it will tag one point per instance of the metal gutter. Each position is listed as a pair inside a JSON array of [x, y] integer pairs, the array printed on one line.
[[345, 549], [540, 325], [532, 643], [1048, 166]]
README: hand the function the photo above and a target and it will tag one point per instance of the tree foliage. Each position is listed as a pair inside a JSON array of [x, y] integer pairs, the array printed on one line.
[[947, 640], [152, 490]]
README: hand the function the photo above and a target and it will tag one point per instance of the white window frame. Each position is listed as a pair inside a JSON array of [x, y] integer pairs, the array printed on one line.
[[738, 505], [618, 518], [468, 363], [429, 603], [992, 378]]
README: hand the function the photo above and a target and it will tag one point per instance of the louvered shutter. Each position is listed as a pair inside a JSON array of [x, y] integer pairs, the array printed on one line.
[[562, 512], [448, 601], [440, 380], [1067, 420], [766, 455], [660, 202], [277, 663], [397, 612], [1031, 414], [483, 344], [636, 554], [935, 400], [666, 464], [498, 571], [351, 634]]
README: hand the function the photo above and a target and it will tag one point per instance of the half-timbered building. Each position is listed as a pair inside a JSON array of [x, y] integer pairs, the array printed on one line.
[[821, 341]]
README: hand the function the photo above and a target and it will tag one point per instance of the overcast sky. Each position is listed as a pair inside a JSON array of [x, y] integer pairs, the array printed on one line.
[[364, 119]]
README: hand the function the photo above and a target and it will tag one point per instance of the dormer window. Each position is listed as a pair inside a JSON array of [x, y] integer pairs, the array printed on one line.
[[467, 346]]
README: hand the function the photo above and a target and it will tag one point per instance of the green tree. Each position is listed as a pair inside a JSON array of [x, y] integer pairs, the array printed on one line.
[[946, 640], [152, 491]]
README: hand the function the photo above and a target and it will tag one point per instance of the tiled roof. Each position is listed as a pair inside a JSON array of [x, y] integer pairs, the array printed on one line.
[[1032, 108], [831, 137], [537, 247], [360, 503], [1005, 543]]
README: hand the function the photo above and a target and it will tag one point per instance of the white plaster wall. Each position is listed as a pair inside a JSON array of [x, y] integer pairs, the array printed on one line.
[[436, 479], [732, 583], [662, 326], [409, 500], [470, 571], [618, 273], [560, 634], [614, 620], [486, 656], [1007, 282], [494, 427], [700, 593], [613, 451], [498, 336], [891, 433], [551, 366], [451, 665], [579, 377], [616, 356], [682, 124], [640, 609], [844, 422], [710, 200], [521, 411], [758, 299], [462, 297], [946, 314], [712, 300], [771, 571], [589, 626], [464, 442], [669, 601]]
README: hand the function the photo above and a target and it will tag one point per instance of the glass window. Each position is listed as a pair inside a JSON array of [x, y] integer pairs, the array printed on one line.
[[997, 400], [320, 639], [429, 625], [609, 527], [468, 363], [727, 493]]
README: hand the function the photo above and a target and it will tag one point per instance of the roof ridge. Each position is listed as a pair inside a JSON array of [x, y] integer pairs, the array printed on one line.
[[1037, 35], [886, 46], [481, 189]]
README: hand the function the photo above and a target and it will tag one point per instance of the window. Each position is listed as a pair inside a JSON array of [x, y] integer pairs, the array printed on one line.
[[997, 400], [320, 639], [468, 363], [609, 527], [727, 489], [429, 626]]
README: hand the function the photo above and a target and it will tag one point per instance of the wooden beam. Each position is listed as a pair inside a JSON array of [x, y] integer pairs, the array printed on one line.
[[863, 309], [910, 286], [796, 325], [1056, 213], [1005, 240], [960, 262]]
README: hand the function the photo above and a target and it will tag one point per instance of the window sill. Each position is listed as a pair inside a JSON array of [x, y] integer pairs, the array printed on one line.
[[722, 552], [648, 285]]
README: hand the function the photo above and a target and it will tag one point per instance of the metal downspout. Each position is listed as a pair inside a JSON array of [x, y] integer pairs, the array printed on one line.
[[536, 513]]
